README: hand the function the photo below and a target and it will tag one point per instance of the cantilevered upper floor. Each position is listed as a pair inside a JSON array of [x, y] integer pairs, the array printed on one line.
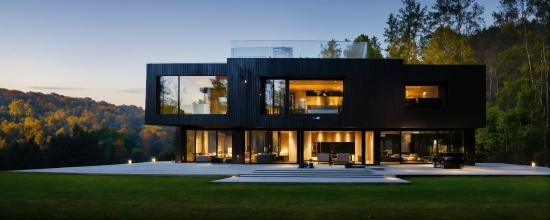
[[284, 92]]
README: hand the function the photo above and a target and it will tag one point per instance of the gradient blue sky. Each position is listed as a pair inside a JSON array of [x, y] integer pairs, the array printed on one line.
[[99, 48]]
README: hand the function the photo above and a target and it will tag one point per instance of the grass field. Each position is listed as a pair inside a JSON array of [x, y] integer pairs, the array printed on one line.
[[28, 195]]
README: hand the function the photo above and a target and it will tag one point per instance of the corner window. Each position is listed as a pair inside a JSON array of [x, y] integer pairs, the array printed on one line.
[[168, 95], [192, 95], [426, 96]]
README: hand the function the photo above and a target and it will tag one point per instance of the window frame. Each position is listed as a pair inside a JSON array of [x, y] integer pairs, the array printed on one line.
[[179, 109], [443, 90], [288, 96]]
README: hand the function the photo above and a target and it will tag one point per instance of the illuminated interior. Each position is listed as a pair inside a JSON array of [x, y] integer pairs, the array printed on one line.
[[425, 96], [315, 96], [271, 146], [335, 143]]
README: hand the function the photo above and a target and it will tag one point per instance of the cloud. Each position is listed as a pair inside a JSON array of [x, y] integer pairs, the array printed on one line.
[[55, 88], [133, 90]]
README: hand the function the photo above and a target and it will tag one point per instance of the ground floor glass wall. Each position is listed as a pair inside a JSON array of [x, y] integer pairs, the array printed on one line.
[[263, 146], [418, 146], [209, 145], [338, 146]]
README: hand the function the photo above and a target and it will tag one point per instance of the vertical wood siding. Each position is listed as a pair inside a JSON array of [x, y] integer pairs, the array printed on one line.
[[374, 94]]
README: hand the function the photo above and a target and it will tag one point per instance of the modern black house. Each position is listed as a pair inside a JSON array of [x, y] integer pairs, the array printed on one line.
[[289, 110]]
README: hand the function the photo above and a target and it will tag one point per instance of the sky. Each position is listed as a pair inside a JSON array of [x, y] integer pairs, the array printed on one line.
[[100, 48]]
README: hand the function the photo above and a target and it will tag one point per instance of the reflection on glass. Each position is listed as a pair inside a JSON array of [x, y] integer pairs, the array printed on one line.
[[450, 141], [211, 146], [274, 96], [192, 94], [390, 143], [271, 147], [297, 49], [168, 95], [339, 146], [190, 145], [203, 94], [425, 96], [315, 96], [225, 144], [417, 146]]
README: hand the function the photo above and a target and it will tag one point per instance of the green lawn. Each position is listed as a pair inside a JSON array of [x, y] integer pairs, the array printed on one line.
[[27, 195]]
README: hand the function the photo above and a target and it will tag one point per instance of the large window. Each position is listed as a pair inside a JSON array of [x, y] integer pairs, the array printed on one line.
[[274, 96], [282, 96], [209, 145], [425, 96], [418, 146], [271, 146], [339, 146], [315, 96], [168, 95], [192, 95]]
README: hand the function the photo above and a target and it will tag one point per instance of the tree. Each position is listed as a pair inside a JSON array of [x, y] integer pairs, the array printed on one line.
[[18, 108], [331, 50], [529, 21], [373, 48], [461, 16], [405, 32], [448, 47], [219, 89]]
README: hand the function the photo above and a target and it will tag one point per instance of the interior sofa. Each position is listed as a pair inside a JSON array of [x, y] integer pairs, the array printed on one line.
[[323, 157]]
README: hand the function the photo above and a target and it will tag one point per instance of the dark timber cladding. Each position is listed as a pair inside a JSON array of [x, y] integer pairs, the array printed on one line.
[[374, 99], [374, 91], [155, 70]]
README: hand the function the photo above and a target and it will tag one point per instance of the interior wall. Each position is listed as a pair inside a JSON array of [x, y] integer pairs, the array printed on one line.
[[358, 146], [307, 145], [284, 144], [405, 142], [292, 146], [369, 145]]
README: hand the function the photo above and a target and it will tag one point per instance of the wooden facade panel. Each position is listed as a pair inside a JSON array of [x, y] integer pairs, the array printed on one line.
[[466, 104], [156, 70], [374, 94]]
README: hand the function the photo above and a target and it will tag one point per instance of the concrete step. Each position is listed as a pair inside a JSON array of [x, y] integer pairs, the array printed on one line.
[[311, 175], [313, 171]]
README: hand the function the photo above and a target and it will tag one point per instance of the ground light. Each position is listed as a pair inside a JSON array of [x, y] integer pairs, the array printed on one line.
[[533, 164], [129, 161], [154, 160]]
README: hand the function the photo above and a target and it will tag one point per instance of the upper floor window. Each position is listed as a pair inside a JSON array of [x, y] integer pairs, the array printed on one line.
[[283, 96], [316, 96], [192, 95], [274, 96], [425, 96]]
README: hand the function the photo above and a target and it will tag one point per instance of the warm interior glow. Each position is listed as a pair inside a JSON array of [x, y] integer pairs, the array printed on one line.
[[154, 160], [421, 92], [129, 161], [533, 164]]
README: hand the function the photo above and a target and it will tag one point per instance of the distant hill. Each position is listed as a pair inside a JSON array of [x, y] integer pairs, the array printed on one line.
[[39, 119]]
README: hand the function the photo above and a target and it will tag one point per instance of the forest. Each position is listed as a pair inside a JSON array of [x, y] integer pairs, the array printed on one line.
[[49, 130], [514, 49]]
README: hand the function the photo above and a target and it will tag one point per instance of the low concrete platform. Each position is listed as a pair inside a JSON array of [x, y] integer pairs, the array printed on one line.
[[313, 176], [308, 180], [388, 172]]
